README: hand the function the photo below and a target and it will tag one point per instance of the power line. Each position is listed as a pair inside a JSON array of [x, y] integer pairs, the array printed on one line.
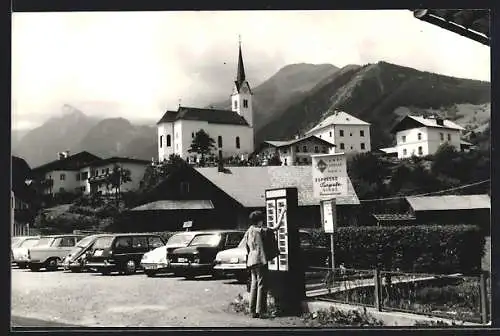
[[426, 194]]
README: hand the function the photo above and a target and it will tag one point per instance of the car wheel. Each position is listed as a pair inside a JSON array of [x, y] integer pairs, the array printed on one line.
[[22, 265], [150, 274], [34, 268], [51, 264], [130, 267]]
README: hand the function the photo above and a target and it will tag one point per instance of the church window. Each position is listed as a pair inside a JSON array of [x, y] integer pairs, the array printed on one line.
[[245, 103], [237, 142], [330, 134], [161, 141], [235, 104], [169, 141], [219, 141]]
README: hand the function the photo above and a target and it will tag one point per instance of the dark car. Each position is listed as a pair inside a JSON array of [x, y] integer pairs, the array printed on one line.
[[199, 256], [233, 261], [121, 252]]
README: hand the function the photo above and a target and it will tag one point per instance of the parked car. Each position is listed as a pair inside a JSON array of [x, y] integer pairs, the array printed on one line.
[[156, 261], [19, 250], [121, 252], [198, 257], [75, 259], [49, 251], [233, 261]]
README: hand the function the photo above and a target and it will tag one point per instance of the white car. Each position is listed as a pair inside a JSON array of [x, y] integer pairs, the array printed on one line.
[[20, 248], [156, 261]]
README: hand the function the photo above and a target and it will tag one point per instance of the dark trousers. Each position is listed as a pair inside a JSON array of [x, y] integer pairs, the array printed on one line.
[[258, 290]]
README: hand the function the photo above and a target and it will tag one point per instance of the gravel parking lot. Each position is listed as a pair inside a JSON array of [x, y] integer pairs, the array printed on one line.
[[90, 299]]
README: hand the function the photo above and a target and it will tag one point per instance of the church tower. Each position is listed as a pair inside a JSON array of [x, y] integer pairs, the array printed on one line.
[[241, 99]]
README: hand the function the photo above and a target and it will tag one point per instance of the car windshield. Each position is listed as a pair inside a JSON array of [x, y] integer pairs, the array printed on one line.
[[180, 239], [85, 242], [28, 243], [104, 242], [242, 243], [206, 239], [46, 241], [15, 240]]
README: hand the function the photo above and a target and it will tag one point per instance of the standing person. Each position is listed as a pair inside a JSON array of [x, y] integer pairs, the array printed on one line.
[[257, 259]]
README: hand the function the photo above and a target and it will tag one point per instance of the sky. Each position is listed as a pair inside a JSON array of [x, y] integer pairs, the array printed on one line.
[[138, 64]]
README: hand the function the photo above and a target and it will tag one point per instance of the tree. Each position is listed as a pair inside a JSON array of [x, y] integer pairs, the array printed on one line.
[[116, 179], [274, 160], [202, 144]]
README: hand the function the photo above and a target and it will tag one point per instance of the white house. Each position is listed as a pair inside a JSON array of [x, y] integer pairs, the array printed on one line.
[[346, 132], [232, 129], [83, 172], [420, 136], [295, 152]]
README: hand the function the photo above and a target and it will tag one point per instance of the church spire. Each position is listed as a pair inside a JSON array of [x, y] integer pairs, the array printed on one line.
[[240, 76]]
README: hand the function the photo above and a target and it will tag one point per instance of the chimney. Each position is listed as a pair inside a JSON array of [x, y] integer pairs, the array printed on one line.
[[439, 121], [220, 164]]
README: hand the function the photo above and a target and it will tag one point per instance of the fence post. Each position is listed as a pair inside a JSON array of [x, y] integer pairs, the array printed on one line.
[[484, 297], [377, 291]]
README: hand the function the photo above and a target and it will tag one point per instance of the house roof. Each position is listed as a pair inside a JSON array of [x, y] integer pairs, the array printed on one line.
[[295, 141], [73, 162], [471, 23], [418, 121], [176, 205], [116, 159], [212, 116], [247, 185], [449, 202], [338, 118]]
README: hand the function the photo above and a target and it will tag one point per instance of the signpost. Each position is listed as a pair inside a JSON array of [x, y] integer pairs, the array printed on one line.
[[329, 181], [187, 225]]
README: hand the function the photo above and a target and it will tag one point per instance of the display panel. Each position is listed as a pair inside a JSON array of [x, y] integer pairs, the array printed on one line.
[[274, 207]]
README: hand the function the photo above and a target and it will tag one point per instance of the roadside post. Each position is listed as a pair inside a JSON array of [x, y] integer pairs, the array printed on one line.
[[187, 225], [329, 173], [286, 272]]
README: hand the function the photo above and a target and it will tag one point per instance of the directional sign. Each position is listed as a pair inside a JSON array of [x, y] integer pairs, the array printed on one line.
[[187, 224], [329, 175]]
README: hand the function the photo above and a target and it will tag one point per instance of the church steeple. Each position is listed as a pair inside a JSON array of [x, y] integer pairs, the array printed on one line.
[[240, 76]]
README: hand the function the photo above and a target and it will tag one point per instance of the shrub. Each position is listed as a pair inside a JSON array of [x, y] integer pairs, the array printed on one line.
[[334, 317], [429, 249]]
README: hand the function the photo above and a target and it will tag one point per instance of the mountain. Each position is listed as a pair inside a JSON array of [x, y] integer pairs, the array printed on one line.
[[373, 93], [283, 89], [63, 132]]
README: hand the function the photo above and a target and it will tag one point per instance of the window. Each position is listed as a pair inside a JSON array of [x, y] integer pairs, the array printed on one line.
[[155, 242], [330, 134], [123, 243], [441, 135], [184, 188], [219, 141], [161, 141], [316, 149], [285, 163], [362, 133], [85, 176], [352, 147], [420, 152], [78, 176], [62, 177], [285, 151], [403, 138], [324, 150], [192, 135], [235, 104], [297, 149], [67, 242], [61, 189], [419, 135], [341, 133], [169, 140], [320, 136], [245, 103], [139, 242], [107, 170], [404, 152], [342, 145], [237, 142], [304, 149], [103, 171], [304, 160], [362, 145], [449, 137], [233, 239], [350, 134]]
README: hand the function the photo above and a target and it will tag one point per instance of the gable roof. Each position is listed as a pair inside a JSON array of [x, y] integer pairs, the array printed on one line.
[[73, 162], [449, 202], [295, 141], [247, 185], [212, 116], [338, 118], [419, 121], [116, 159]]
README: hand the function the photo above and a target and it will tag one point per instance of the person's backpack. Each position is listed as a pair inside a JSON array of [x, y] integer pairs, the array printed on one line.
[[270, 245]]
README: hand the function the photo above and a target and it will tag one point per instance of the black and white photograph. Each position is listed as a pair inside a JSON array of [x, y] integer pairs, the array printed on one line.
[[251, 169]]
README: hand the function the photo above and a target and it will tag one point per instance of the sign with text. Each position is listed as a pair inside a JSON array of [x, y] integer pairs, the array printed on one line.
[[329, 173], [329, 215], [187, 224]]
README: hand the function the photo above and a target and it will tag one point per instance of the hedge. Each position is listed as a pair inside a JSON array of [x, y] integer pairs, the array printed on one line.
[[428, 249]]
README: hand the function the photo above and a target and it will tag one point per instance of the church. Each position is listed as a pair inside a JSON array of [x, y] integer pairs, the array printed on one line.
[[232, 130]]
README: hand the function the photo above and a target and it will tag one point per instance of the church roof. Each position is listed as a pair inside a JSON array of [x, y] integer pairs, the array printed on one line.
[[212, 116]]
